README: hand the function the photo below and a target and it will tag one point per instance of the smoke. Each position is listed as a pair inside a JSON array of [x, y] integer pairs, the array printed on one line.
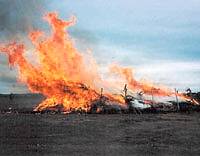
[[17, 17]]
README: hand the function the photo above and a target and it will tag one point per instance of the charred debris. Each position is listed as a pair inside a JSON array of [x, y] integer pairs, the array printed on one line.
[[132, 105], [136, 105]]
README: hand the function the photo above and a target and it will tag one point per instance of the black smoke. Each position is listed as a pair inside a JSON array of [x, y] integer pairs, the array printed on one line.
[[17, 17]]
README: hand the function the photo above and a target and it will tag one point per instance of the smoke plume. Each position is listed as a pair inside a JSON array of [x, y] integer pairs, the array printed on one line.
[[18, 17]]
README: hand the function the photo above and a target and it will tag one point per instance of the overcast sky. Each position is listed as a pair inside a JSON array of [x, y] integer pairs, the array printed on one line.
[[159, 39]]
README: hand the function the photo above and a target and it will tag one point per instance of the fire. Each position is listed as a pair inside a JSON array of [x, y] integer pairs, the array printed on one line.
[[61, 73], [72, 97], [146, 87]]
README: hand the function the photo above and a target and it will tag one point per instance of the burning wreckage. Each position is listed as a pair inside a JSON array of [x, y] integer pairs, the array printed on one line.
[[135, 104], [62, 75]]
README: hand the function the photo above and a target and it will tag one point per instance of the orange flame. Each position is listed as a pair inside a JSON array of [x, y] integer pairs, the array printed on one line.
[[61, 73], [146, 87], [62, 76]]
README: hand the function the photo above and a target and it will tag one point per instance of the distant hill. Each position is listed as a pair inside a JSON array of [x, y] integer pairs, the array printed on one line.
[[19, 102]]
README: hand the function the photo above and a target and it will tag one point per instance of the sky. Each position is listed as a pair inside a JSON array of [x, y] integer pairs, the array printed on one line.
[[158, 39]]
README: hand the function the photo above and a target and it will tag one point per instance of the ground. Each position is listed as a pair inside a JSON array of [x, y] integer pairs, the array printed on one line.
[[93, 135]]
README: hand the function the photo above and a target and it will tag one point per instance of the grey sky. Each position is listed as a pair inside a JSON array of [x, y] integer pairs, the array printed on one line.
[[159, 39]]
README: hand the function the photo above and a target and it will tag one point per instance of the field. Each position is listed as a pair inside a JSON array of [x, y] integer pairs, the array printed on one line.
[[92, 134]]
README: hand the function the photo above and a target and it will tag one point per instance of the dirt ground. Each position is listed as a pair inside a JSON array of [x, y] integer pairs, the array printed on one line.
[[92, 135]]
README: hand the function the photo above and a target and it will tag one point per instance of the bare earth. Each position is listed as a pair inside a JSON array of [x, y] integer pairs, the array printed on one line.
[[119, 134]]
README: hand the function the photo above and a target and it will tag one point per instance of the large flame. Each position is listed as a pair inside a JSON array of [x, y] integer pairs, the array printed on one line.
[[61, 73]]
